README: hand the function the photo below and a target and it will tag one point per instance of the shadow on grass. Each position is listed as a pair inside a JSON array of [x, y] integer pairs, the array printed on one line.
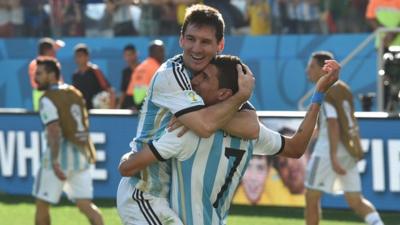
[[28, 199], [390, 218]]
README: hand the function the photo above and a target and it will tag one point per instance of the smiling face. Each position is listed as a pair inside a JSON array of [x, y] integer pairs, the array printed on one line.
[[200, 45]]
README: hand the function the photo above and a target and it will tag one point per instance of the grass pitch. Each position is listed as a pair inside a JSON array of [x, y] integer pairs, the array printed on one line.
[[19, 210]]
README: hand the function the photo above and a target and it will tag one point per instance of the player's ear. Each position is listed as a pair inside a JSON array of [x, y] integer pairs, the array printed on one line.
[[221, 46], [180, 41], [224, 93]]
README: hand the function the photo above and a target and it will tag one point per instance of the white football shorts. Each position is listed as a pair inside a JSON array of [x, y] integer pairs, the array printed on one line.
[[321, 176], [138, 208], [48, 187]]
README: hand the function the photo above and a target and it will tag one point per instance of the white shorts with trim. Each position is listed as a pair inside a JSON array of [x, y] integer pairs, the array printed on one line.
[[48, 187], [321, 176], [138, 208]]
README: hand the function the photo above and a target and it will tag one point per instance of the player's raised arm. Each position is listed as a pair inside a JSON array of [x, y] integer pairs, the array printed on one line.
[[296, 145]]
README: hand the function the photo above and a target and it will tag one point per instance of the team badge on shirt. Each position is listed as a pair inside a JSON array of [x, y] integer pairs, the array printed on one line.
[[192, 96]]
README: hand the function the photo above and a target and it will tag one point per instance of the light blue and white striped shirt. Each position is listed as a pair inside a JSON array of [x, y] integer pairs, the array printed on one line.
[[170, 93], [207, 171]]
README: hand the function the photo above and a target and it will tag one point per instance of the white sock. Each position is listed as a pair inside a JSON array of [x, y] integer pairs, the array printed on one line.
[[373, 219]]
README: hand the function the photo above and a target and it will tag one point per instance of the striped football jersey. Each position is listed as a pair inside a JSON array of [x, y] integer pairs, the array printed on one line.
[[207, 171], [170, 93]]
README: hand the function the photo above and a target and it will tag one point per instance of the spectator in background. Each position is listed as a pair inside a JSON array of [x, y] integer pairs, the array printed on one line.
[[385, 13], [168, 21], [150, 17], [181, 6], [122, 20], [232, 16], [89, 80], [16, 18], [36, 20], [47, 48], [343, 16], [304, 16], [279, 17], [144, 72], [5, 20], [130, 56], [65, 165], [73, 20], [259, 16]]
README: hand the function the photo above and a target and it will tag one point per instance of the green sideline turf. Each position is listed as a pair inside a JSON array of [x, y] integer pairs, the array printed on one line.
[[16, 210]]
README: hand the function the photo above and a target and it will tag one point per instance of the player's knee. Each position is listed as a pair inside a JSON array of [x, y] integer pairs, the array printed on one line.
[[355, 203]]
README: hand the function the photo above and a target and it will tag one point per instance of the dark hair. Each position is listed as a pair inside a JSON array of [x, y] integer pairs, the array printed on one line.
[[228, 75], [51, 65], [321, 56], [130, 47], [203, 15], [45, 44], [81, 48]]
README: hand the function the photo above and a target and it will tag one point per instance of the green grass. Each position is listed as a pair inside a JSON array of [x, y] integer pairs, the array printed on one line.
[[19, 210]]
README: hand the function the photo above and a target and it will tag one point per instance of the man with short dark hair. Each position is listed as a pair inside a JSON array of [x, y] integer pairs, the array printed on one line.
[[333, 164], [144, 72], [65, 165], [90, 80], [125, 101]]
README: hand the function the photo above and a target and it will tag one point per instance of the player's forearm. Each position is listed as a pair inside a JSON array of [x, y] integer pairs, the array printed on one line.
[[208, 120], [333, 136], [244, 124], [127, 166], [132, 163], [297, 144], [53, 140]]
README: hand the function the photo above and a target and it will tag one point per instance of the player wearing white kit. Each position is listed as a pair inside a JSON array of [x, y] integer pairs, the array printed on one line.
[[206, 171], [69, 150], [170, 94], [333, 164]]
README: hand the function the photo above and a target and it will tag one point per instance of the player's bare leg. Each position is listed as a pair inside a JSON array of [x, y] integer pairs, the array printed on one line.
[[91, 211], [313, 207], [42, 214], [362, 207]]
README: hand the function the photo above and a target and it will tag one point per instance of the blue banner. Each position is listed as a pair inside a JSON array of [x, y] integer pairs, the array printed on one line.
[[21, 142]]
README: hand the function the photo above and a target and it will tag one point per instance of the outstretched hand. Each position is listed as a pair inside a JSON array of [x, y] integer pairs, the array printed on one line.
[[331, 69], [246, 82]]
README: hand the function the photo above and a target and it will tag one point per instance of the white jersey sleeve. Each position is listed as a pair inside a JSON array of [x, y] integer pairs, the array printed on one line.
[[172, 90], [172, 146], [48, 111], [269, 142], [329, 110]]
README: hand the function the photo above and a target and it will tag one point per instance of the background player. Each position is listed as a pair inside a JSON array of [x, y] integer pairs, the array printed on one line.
[[69, 150], [333, 164]]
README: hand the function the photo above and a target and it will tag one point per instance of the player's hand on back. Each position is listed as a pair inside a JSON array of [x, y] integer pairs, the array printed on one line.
[[174, 124], [332, 69], [246, 82]]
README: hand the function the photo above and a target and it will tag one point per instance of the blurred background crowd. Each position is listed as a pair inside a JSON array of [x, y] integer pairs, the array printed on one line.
[[109, 18]]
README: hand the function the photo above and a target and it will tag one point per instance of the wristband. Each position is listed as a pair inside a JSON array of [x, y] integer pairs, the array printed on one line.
[[317, 97]]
